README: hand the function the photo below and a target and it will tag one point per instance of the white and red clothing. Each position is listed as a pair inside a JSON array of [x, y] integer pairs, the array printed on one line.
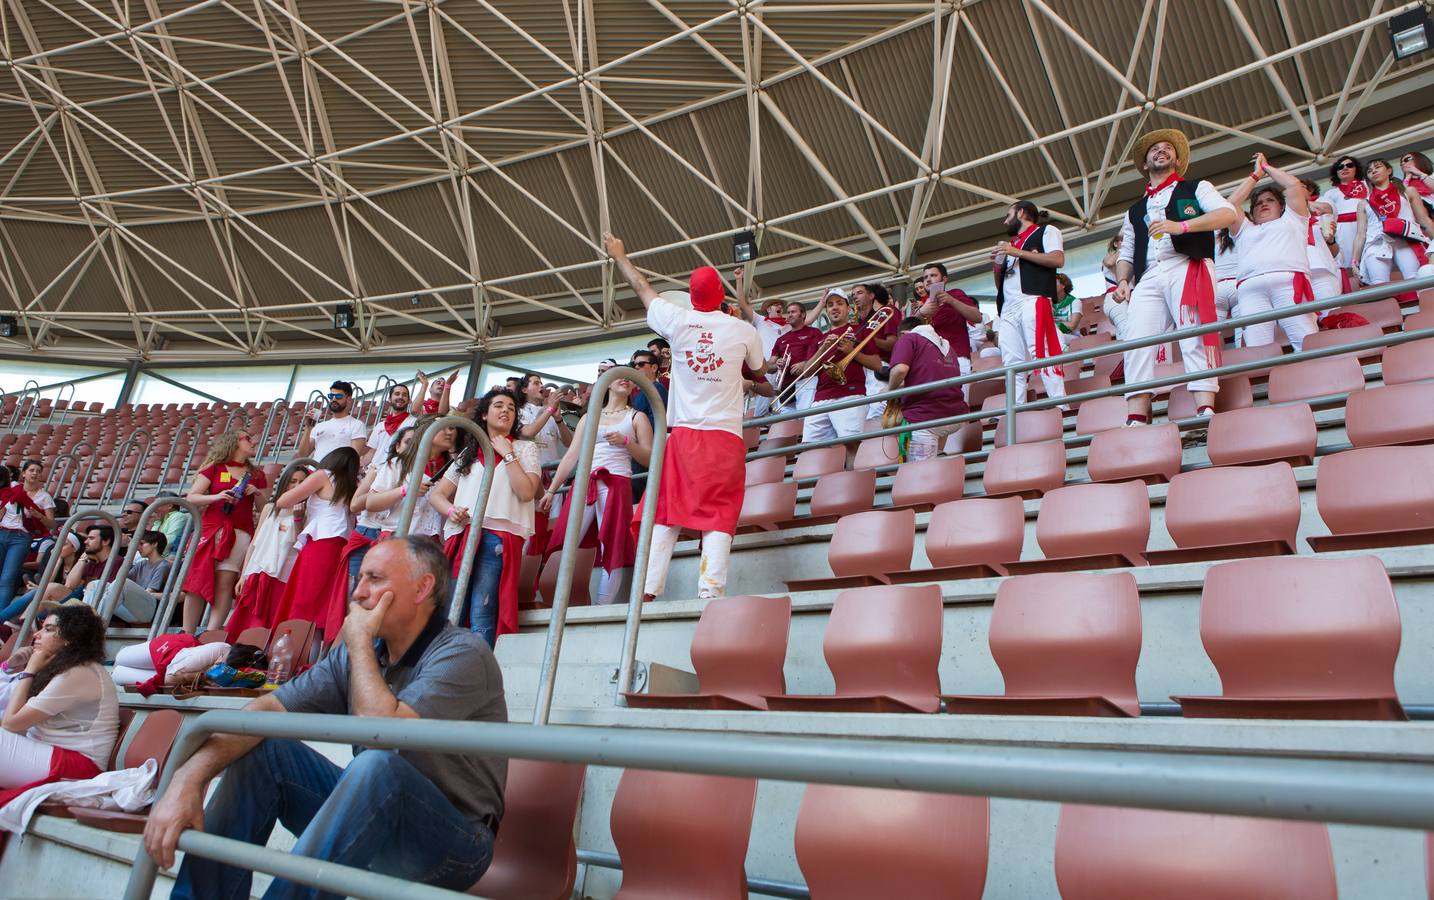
[[768, 331], [383, 434], [1274, 274], [1346, 199], [225, 529], [1027, 329], [262, 583], [840, 422], [1156, 304], [548, 439], [608, 507], [1227, 272], [704, 462], [1395, 238], [311, 593], [1324, 268]]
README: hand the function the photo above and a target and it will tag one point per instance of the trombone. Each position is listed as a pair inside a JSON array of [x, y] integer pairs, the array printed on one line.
[[823, 359]]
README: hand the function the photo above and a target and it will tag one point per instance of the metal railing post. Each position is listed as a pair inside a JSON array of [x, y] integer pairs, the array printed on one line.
[[473, 537], [628, 660], [27, 627], [183, 558], [1010, 423], [115, 590], [121, 455]]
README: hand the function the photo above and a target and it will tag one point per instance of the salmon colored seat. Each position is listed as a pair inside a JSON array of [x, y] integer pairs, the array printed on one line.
[[1235, 393], [974, 538], [1091, 526], [1386, 314], [1376, 497], [1316, 378], [865, 549], [1110, 853], [766, 506], [669, 849], [153, 739], [535, 856], [1338, 337], [1412, 361], [1151, 454], [1393, 414], [816, 463], [528, 572], [212, 636], [874, 452], [1032, 425], [766, 470], [301, 634], [785, 428], [738, 650], [926, 482], [1067, 645], [580, 595], [1300, 638], [1027, 470], [1100, 414], [856, 843], [883, 646], [1263, 434], [1228, 512], [840, 494]]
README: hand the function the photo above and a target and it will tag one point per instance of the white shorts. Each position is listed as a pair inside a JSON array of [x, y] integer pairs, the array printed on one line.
[[235, 560], [821, 426]]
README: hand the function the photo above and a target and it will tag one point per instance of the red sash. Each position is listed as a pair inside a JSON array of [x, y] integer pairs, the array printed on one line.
[[216, 540], [391, 423], [310, 593], [1304, 291], [1197, 306], [65, 765], [1048, 342], [1347, 217], [616, 545], [507, 580]]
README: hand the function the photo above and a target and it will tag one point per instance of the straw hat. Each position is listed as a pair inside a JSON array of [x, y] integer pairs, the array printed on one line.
[[1176, 139]]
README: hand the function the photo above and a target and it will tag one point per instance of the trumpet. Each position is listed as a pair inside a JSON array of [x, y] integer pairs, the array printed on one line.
[[823, 358]]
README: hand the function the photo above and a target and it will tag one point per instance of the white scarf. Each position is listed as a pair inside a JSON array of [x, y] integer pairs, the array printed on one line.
[[930, 334]]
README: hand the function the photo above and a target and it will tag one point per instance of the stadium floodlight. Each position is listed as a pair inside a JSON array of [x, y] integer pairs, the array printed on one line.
[[9, 327], [744, 247], [344, 316], [1410, 33]]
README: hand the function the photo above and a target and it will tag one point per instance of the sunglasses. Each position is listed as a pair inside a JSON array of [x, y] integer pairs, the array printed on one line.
[[1347, 165], [640, 365], [338, 396]]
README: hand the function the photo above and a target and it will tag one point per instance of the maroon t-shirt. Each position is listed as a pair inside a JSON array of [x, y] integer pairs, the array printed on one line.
[[949, 324], [802, 344], [890, 330], [927, 364], [855, 385]]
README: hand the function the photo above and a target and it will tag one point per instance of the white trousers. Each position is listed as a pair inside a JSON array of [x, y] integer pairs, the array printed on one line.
[[1274, 290], [874, 387], [22, 759], [1227, 306], [763, 405], [1154, 309], [1016, 336], [1376, 268], [608, 582], [711, 572], [837, 423], [1325, 284]]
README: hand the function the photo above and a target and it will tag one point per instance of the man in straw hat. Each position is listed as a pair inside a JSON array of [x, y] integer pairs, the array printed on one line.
[[1166, 270], [705, 461]]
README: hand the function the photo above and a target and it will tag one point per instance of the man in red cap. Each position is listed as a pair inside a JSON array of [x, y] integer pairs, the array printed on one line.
[[704, 464]]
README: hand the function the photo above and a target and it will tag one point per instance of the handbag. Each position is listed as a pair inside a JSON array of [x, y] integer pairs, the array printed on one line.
[[270, 547]]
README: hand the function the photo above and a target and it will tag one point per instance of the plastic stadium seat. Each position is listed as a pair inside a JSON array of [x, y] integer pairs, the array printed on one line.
[[883, 646], [738, 650], [1067, 645], [926, 482], [1110, 853], [1151, 453], [785, 428], [1376, 497], [1087, 341], [973, 538], [766, 470], [978, 392], [1418, 322], [1091, 526], [816, 463], [865, 548], [1386, 314], [302, 633], [751, 437], [580, 594], [1300, 638], [1235, 393], [1263, 434], [1032, 426], [535, 856], [1313, 378], [152, 740], [1101, 414], [667, 851], [212, 636], [1336, 337], [1084, 385], [839, 494], [1028, 470], [1413, 361], [1228, 512], [856, 843], [776, 443], [873, 452], [1393, 414], [254, 637], [527, 581], [766, 506]]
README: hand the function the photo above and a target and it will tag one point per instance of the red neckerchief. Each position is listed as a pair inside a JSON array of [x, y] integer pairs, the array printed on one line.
[[392, 423], [1386, 201], [434, 464], [1420, 187], [779, 321], [1152, 191], [1314, 218], [1354, 190], [1021, 238]]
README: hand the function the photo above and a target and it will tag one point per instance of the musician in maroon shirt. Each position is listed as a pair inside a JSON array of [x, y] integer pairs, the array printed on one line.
[[791, 352]]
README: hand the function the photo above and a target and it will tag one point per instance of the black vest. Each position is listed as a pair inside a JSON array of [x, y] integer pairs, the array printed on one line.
[[1035, 280], [1183, 205]]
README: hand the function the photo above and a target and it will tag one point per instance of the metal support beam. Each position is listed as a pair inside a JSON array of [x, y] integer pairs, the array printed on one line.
[[131, 380]]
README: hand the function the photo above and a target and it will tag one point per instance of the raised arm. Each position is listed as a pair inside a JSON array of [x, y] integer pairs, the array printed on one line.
[[634, 278], [748, 313], [317, 481], [1296, 197]]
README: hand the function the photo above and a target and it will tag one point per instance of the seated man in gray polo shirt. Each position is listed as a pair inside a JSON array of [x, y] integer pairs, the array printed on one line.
[[427, 817]]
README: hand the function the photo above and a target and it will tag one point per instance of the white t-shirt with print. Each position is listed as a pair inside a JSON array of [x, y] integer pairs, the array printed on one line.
[[708, 349]]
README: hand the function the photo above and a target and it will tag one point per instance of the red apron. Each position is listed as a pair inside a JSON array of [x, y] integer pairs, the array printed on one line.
[[616, 545], [257, 605], [507, 580], [215, 543], [703, 472]]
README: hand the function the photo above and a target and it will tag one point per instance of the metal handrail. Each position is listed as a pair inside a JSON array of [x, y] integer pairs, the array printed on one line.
[[110, 601], [68, 401], [190, 536], [572, 534], [238, 412], [47, 576], [1354, 298], [274, 410], [30, 392], [381, 386], [1289, 786], [473, 537], [121, 455], [190, 425]]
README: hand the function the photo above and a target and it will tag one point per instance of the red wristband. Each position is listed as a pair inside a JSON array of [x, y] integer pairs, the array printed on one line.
[[1184, 227]]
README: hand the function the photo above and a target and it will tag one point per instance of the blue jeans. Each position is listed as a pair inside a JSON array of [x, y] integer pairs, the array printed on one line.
[[14, 547], [483, 588], [17, 608], [379, 813], [356, 558]]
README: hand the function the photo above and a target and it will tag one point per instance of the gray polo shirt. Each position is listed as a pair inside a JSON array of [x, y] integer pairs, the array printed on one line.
[[448, 673]]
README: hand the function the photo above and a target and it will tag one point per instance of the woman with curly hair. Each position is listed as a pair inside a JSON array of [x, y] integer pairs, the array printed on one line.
[[226, 487], [62, 716]]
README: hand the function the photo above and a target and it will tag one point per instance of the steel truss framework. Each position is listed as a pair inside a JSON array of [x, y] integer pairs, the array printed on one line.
[[208, 180]]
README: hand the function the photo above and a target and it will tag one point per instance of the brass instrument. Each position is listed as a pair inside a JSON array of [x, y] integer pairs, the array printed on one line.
[[837, 371], [822, 359]]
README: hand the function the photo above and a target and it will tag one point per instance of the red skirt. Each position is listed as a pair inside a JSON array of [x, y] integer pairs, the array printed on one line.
[[507, 578], [215, 543], [309, 593], [703, 473], [65, 765], [257, 605], [616, 546]]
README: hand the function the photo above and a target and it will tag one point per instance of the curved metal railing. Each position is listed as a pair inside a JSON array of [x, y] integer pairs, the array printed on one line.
[[121, 456], [115, 589], [188, 426], [48, 574]]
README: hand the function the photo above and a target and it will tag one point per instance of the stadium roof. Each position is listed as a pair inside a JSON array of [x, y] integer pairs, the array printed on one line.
[[208, 180]]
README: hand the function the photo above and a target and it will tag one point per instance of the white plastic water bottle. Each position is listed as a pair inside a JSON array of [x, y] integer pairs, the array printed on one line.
[[278, 672]]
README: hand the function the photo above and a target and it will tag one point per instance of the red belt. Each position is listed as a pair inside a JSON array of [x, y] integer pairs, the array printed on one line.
[[1347, 217]]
